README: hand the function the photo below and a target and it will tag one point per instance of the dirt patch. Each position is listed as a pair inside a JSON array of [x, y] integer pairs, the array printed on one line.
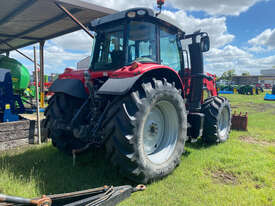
[[224, 177], [263, 107], [259, 186], [32, 116], [252, 140]]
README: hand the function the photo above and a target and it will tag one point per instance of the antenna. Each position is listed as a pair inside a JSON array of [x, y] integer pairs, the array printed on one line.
[[160, 4]]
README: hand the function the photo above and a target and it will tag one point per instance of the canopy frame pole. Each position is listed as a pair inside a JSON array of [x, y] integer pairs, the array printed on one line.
[[37, 98], [24, 55], [69, 14], [42, 89]]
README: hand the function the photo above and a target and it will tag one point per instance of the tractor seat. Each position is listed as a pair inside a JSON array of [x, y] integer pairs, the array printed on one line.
[[117, 58]]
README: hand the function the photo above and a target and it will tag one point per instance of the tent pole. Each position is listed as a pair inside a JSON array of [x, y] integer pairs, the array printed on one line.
[[42, 89], [37, 97]]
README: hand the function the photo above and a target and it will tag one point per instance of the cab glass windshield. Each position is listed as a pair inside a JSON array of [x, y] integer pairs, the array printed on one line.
[[142, 42]]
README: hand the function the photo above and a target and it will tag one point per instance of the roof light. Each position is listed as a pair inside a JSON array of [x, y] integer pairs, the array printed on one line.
[[132, 14], [141, 12]]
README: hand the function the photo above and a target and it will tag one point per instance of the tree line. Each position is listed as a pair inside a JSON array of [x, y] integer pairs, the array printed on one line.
[[228, 75]]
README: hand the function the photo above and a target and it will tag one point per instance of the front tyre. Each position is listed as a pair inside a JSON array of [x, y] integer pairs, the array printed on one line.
[[217, 121], [146, 131]]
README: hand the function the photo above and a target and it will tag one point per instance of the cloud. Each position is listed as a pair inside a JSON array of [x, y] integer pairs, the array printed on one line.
[[124, 4], [231, 57], [76, 41], [212, 7], [216, 27], [215, 7], [56, 57], [266, 38], [256, 49]]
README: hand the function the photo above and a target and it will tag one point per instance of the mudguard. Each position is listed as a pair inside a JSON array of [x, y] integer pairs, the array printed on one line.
[[73, 87], [114, 86]]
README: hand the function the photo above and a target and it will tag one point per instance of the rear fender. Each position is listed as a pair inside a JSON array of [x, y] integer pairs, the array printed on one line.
[[72, 87], [121, 86]]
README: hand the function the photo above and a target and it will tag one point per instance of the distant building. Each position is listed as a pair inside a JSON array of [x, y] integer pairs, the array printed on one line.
[[255, 79], [267, 77], [84, 63], [268, 72]]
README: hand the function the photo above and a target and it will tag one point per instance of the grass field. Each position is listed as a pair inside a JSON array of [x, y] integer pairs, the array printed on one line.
[[238, 172]]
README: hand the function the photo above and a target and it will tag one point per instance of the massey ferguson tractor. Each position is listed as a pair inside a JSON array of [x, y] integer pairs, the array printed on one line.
[[140, 100]]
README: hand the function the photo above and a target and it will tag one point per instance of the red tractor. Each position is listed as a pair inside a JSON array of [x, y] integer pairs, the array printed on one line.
[[137, 100]]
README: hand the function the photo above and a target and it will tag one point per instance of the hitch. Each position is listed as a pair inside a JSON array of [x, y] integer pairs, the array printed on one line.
[[106, 195]]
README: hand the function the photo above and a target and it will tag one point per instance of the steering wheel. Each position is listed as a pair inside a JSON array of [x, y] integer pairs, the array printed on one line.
[[145, 59]]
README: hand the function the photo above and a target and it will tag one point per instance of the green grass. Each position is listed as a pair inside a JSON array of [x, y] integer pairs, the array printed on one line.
[[238, 172]]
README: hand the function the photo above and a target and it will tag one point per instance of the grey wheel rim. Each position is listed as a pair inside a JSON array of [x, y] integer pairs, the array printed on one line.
[[160, 132], [223, 123]]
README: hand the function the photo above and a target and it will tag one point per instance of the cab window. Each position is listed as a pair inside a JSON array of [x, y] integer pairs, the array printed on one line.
[[169, 52]]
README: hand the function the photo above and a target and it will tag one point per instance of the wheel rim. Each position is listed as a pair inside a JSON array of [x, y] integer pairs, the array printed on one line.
[[223, 123], [160, 132]]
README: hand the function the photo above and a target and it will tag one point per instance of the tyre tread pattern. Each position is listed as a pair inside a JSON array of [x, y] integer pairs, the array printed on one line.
[[212, 108], [60, 111]]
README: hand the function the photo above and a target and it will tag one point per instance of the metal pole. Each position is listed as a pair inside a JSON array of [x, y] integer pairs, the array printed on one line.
[[42, 90], [66, 11], [37, 97]]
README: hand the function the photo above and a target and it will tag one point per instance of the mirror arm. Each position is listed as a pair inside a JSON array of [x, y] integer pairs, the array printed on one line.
[[188, 36]]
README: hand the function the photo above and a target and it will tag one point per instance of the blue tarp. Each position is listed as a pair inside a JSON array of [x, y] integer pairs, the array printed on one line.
[[226, 92], [270, 97]]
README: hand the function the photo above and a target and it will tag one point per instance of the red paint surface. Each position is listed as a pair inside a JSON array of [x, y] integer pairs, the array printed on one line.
[[137, 69]]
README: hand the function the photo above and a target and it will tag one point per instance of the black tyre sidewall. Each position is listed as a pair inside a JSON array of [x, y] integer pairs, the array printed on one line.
[[61, 109], [212, 108]]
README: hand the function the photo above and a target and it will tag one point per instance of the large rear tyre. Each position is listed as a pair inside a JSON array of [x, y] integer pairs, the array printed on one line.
[[146, 131], [58, 114], [217, 119]]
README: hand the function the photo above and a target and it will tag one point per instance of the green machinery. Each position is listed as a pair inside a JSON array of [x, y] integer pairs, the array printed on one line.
[[14, 79], [19, 73]]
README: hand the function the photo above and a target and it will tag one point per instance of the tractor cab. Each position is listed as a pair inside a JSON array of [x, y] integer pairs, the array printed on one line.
[[136, 35]]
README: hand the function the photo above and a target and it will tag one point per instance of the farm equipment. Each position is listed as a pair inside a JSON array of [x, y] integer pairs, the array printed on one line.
[[138, 100], [270, 97], [14, 79], [250, 89], [239, 121], [19, 73], [30, 92], [10, 104]]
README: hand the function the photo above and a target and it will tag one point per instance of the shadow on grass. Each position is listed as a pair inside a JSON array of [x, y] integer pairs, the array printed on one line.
[[200, 144], [54, 172]]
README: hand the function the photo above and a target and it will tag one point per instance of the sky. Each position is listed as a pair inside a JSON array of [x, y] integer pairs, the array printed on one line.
[[242, 34]]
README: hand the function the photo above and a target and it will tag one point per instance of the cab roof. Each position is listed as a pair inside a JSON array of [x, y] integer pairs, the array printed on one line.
[[149, 13]]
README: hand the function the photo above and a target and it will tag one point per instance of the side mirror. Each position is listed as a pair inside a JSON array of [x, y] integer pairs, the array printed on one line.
[[205, 44]]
